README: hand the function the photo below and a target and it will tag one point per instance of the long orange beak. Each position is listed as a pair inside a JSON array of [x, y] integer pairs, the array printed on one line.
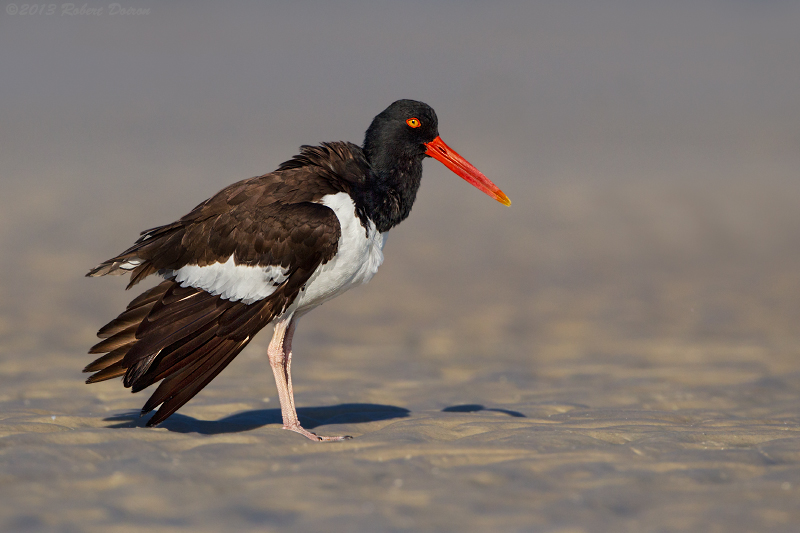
[[438, 150]]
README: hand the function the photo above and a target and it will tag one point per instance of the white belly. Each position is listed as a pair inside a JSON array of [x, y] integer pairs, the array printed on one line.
[[357, 259]]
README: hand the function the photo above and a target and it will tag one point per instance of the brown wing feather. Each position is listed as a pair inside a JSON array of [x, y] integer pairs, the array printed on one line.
[[249, 218], [184, 336], [177, 392], [111, 358], [188, 357]]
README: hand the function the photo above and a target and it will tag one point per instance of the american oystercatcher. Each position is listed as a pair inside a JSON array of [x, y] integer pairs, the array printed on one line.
[[267, 250]]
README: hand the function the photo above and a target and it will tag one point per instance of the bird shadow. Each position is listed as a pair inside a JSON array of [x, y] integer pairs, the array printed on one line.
[[474, 407], [310, 417]]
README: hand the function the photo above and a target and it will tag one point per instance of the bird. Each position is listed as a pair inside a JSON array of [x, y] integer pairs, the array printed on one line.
[[265, 251]]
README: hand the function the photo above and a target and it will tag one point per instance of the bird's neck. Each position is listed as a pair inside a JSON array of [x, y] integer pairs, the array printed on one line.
[[389, 190]]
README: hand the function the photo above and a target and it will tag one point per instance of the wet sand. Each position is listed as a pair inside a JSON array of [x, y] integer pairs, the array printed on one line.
[[609, 357]]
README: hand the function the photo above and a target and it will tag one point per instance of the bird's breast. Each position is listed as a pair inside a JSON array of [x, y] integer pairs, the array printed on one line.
[[359, 254]]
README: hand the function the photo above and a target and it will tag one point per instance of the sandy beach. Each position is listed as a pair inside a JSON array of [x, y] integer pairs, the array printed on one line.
[[617, 351], [614, 398]]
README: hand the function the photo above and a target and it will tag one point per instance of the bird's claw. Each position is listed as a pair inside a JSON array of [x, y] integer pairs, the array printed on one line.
[[313, 436]]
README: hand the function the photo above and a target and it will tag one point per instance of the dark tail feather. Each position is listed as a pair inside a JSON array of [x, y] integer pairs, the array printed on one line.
[[184, 386], [114, 356], [131, 317], [126, 336], [207, 338], [111, 371], [173, 360], [181, 335], [120, 335], [166, 334], [151, 296]]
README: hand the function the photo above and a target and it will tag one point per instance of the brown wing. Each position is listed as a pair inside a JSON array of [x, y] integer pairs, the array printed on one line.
[[256, 219], [186, 336]]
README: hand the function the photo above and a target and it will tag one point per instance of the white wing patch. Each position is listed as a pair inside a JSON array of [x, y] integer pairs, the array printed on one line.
[[130, 264], [231, 281]]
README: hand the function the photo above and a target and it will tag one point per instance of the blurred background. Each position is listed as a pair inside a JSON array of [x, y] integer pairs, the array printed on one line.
[[650, 149], [635, 140]]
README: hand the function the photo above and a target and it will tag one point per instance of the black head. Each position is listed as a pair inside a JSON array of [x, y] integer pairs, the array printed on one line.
[[399, 133], [395, 144]]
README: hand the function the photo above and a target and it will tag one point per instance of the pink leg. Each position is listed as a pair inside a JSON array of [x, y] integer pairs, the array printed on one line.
[[280, 359]]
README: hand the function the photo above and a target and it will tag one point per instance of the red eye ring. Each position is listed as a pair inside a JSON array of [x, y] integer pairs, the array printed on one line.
[[414, 122]]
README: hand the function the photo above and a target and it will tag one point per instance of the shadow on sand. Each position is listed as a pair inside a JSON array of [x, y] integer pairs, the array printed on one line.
[[474, 407], [310, 417]]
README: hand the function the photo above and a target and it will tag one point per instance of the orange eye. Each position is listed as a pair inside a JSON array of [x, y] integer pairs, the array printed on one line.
[[414, 122]]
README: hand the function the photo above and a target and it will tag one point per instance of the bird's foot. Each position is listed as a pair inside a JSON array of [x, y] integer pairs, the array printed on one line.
[[313, 436]]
